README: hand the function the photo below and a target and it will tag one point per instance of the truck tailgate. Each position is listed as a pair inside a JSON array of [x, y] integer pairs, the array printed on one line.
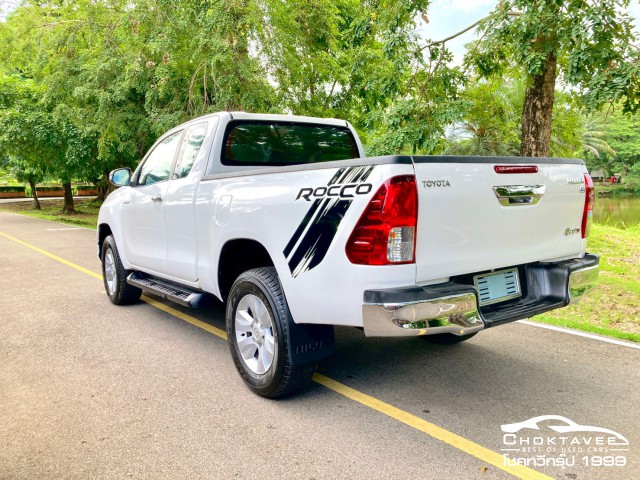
[[473, 219]]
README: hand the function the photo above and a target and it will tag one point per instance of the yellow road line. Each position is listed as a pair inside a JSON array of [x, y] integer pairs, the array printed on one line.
[[434, 431], [439, 433], [55, 257], [218, 332]]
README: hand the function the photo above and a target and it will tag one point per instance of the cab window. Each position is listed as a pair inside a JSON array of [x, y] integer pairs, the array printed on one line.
[[262, 143], [157, 167], [189, 149]]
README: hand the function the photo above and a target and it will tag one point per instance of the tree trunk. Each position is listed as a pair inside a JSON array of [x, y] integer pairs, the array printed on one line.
[[68, 199], [537, 112], [102, 192], [104, 189], [36, 202]]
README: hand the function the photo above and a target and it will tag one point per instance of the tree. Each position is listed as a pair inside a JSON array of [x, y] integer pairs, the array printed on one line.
[[363, 61], [123, 72], [116, 74], [490, 120], [622, 133], [585, 45], [594, 138], [416, 93], [28, 135], [24, 171]]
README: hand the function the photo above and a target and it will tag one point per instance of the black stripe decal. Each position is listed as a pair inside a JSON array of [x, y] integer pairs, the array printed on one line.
[[307, 218], [317, 241], [337, 175], [302, 227], [318, 228]]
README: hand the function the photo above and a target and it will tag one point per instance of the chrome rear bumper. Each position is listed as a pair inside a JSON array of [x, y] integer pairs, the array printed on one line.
[[582, 281], [453, 307], [450, 314]]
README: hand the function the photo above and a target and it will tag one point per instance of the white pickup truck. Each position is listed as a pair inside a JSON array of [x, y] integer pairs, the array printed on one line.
[[285, 219]]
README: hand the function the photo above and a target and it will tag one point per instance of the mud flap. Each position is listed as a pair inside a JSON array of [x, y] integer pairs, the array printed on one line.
[[309, 343]]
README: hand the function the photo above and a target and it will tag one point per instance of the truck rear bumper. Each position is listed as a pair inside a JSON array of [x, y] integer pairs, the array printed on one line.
[[452, 307]]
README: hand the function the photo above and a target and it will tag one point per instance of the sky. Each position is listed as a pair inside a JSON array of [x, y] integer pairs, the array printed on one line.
[[447, 17], [7, 6]]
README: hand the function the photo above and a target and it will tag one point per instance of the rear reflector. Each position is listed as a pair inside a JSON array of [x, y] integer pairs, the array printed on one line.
[[515, 169], [589, 197]]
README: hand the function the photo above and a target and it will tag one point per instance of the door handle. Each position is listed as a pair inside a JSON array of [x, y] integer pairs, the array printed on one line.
[[514, 195], [157, 199]]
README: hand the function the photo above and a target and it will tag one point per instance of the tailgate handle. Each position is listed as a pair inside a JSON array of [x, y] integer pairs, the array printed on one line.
[[518, 195]]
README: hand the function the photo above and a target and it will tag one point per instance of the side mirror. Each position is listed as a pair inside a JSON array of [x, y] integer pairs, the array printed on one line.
[[120, 177]]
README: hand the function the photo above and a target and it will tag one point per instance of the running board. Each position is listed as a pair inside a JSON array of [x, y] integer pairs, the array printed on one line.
[[170, 291]]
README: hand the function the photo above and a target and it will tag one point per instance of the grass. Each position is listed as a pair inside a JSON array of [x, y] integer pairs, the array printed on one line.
[[86, 211], [612, 309]]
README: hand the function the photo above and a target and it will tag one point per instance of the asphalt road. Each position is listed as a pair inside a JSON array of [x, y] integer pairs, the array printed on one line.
[[91, 390]]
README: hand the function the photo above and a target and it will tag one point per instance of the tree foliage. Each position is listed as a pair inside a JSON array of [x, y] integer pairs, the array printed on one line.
[[28, 135], [118, 73], [489, 125], [123, 72], [621, 133], [106, 77], [492, 115], [585, 45]]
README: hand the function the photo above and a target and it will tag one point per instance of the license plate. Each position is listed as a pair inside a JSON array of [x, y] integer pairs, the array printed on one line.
[[497, 286]]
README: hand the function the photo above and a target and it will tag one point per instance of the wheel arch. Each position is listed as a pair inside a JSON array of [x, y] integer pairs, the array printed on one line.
[[238, 256], [104, 230]]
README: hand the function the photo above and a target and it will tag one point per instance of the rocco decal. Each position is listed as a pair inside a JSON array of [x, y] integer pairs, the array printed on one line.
[[312, 239]]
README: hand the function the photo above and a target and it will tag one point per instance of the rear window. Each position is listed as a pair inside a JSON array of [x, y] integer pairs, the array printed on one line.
[[284, 143]]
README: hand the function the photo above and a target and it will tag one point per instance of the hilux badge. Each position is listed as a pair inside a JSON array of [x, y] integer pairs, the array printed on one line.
[[575, 180]]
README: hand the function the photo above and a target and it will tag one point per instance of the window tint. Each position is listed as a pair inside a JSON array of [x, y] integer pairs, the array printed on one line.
[[191, 144], [157, 168], [284, 143]]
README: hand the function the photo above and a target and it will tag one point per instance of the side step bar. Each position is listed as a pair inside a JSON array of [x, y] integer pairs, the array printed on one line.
[[162, 288]]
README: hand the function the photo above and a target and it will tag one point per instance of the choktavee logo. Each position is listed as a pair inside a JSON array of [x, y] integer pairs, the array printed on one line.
[[556, 441]]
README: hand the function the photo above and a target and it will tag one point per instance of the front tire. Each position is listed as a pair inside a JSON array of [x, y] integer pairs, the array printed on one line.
[[115, 276], [257, 319]]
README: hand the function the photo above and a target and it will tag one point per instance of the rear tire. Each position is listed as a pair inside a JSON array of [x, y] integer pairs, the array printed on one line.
[[257, 318], [447, 338], [115, 276]]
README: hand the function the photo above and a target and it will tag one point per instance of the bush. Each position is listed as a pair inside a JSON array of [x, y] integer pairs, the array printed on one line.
[[630, 187], [45, 188], [12, 188]]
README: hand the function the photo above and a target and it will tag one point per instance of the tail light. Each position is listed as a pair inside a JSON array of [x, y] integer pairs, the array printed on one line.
[[385, 234], [589, 197]]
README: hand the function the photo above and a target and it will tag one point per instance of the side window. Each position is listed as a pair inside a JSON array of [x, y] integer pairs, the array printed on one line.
[[189, 150], [157, 168]]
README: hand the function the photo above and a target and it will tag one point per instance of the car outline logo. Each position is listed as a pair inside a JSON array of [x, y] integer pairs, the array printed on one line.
[[571, 426]]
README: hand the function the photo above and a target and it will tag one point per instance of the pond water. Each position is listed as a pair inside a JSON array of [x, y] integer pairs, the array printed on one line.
[[617, 210]]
